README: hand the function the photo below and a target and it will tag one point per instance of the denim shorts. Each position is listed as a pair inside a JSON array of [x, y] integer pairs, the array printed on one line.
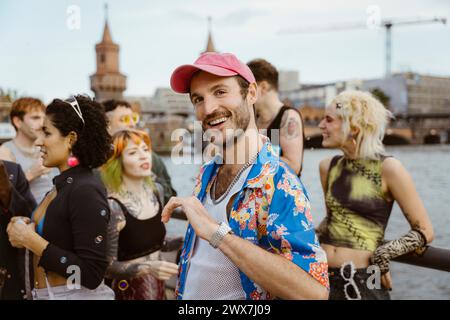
[[348, 283]]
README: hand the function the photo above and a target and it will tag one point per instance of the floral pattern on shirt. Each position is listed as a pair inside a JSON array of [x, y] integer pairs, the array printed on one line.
[[272, 211]]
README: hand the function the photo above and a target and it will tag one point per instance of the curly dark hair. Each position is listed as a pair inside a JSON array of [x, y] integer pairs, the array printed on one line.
[[93, 145]]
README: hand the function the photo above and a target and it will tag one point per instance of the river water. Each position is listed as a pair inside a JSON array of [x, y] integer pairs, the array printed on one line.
[[430, 169]]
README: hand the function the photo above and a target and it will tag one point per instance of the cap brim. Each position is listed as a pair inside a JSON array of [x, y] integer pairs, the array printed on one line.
[[180, 81]]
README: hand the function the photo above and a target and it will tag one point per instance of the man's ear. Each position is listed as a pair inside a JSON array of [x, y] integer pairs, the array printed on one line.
[[252, 94], [263, 87], [16, 122]]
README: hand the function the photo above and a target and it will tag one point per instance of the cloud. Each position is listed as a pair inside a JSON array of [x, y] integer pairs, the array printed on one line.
[[235, 18], [241, 17], [188, 15]]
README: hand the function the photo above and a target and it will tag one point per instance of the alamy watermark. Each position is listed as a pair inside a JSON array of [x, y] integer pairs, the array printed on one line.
[[373, 20], [200, 146], [74, 279], [348, 272], [73, 21]]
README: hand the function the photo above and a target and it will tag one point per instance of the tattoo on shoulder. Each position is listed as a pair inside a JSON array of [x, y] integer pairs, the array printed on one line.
[[290, 127], [116, 210]]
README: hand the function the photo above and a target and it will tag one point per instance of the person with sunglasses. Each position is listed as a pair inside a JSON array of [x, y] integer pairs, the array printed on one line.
[[360, 187], [67, 233], [121, 116]]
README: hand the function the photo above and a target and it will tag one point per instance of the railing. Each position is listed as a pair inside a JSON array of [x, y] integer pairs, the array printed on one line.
[[432, 257]]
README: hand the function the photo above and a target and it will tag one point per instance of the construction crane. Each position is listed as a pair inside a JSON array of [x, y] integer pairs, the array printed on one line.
[[387, 24]]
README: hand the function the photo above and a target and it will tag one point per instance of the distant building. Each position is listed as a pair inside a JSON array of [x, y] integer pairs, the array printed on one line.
[[288, 80], [407, 93], [144, 104], [7, 131], [5, 105], [107, 82], [312, 115], [317, 96], [210, 44], [414, 93], [173, 103]]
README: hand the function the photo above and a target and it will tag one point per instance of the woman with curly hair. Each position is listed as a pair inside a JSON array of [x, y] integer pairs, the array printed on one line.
[[360, 188], [67, 232], [136, 233]]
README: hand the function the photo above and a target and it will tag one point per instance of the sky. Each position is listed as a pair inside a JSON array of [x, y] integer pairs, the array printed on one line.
[[45, 53]]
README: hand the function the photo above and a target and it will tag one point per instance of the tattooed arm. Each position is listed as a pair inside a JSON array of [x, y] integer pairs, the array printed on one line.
[[291, 139], [125, 270]]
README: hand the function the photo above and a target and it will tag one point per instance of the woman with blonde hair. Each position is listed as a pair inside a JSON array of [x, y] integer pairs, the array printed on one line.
[[360, 188], [136, 233]]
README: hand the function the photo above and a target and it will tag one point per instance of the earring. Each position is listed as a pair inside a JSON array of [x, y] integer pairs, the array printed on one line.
[[72, 161]]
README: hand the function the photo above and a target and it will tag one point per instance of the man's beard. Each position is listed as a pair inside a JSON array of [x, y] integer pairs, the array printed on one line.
[[240, 118]]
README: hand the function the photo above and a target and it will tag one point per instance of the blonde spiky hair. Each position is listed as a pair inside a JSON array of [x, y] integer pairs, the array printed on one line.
[[361, 110]]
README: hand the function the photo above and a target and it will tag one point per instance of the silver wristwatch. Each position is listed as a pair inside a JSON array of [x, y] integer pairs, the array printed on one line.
[[217, 237]]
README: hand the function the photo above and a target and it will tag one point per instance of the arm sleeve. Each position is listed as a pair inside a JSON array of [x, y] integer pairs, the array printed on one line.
[[89, 215], [291, 232], [22, 202], [410, 242]]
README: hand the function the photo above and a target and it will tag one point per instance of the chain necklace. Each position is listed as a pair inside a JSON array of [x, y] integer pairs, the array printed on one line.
[[231, 185]]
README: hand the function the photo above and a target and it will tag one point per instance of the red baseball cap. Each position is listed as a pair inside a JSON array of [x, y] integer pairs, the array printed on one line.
[[219, 64]]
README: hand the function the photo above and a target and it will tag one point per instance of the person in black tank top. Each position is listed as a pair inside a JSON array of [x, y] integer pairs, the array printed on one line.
[[136, 234], [282, 124]]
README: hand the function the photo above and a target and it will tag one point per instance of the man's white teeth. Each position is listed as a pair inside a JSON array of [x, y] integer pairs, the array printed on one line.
[[217, 121]]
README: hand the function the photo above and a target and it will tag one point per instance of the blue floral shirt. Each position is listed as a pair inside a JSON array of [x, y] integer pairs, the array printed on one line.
[[272, 211]]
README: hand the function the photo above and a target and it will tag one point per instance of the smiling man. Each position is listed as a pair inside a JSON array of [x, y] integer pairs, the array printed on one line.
[[250, 233]]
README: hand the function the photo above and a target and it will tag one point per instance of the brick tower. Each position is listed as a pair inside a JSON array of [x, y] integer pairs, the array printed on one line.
[[107, 82]]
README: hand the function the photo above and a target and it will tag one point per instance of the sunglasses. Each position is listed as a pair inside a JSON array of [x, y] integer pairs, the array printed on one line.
[[128, 119], [75, 106]]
